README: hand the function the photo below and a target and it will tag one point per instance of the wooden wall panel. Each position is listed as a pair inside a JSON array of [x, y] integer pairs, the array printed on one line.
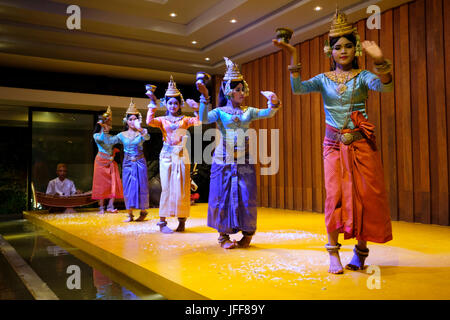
[[279, 66], [271, 124], [316, 147], [446, 12], [263, 85], [412, 122], [324, 67], [297, 117], [373, 100], [437, 111], [403, 114], [419, 109], [288, 116], [256, 125], [305, 105], [388, 138]]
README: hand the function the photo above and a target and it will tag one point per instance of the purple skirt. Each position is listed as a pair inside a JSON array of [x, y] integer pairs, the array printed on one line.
[[232, 198], [135, 183]]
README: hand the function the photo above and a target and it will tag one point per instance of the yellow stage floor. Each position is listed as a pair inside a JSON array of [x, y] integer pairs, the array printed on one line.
[[286, 260]]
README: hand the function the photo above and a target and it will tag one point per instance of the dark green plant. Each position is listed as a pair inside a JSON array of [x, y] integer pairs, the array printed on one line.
[[13, 196]]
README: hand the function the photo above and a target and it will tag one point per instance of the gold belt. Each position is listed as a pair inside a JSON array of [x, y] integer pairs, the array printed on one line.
[[345, 138], [133, 158], [105, 156]]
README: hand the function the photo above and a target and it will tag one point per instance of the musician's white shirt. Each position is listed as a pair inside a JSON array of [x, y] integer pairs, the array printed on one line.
[[62, 188]]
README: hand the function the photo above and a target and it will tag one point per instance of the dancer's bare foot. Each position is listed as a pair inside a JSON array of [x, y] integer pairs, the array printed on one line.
[[164, 228], [228, 244], [142, 216], [335, 260], [181, 224], [244, 242], [359, 257], [130, 218], [335, 264]]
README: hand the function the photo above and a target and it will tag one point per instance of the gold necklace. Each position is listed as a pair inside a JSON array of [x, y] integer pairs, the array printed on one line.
[[128, 135], [174, 119], [342, 79]]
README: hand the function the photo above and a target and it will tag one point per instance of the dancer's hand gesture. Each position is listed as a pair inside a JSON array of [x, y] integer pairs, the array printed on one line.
[[192, 104], [202, 89], [373, 50], [104, 126], [271, 97], [284, 46], [151, 95]]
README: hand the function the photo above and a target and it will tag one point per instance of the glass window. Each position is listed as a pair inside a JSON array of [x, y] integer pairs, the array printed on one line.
[[62, 137]]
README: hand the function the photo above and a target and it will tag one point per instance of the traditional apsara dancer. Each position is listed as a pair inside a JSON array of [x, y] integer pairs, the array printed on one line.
[[232, 191], [134, 166], [106, 183], [356, 200], [174, 162]]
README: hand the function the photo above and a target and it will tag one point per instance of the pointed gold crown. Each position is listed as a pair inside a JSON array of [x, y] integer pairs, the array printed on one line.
[[232, 72], [340, 26], [132, 108], [172, 90], [107, 114]]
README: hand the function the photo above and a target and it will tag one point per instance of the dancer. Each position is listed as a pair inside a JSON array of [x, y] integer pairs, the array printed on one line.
[[356, 201], [174, 163], [134, 166], [232, 191], [106, 183]]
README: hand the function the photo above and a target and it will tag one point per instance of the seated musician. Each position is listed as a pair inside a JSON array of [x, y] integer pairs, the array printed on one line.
[[61, 186]]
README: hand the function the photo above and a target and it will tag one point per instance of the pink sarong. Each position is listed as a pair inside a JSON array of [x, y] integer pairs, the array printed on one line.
[[356, 201]]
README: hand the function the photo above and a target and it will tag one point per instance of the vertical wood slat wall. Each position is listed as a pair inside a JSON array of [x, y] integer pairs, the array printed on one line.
[[412, 122]]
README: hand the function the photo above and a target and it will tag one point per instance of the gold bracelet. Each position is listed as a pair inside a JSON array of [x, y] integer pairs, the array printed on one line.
[[271, 105], [383, 68], [295, 68]]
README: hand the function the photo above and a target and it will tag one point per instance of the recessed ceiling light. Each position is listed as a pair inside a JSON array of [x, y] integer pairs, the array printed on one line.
[[173, 14], [207, 59], [194, 42], [318, 8], [233, 20]]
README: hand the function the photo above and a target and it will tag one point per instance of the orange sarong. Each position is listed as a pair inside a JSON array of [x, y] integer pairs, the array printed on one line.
[[356, 201], [106, 183]]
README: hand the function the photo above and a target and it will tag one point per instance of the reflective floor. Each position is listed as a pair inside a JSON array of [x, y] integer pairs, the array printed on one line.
[[56, 263], [286, 260]]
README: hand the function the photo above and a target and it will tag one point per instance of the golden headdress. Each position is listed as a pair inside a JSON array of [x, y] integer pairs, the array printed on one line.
[[132, 108], [108, 114], [339, 28], [172, 91], [232, 74]]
